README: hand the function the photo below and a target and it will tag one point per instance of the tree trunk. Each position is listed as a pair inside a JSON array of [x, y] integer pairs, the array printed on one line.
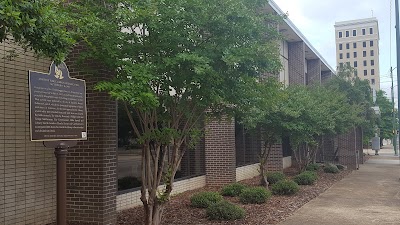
[[153, 214]]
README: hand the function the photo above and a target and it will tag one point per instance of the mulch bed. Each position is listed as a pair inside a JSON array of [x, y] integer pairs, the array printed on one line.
[[275, 210]]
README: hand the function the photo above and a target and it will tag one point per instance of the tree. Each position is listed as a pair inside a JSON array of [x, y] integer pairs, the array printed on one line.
[[38, 25], [385, 118], [174, 61]]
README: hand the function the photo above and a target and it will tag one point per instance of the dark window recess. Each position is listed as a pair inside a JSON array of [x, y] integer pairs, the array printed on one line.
[[340, 34], [364, 44], [354, 33], [355, 73], [354, 45], [372, 62], [355, 54], [365, 72], [340, 65], [372, 81], [348, 55], [365, 62], [341, 56], [372, 71], [347, 45], [371, 30], [340, 47], [364, 53], [355, 64], [347, 33], [371, 43], [248, 146], [372, 53], [286, 148], [363, 31]]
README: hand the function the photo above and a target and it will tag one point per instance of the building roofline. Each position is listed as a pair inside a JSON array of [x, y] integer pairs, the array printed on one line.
[[356, 22], [298, 33]]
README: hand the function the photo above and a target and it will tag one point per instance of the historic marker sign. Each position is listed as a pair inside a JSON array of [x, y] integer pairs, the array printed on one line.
[[57, 105]]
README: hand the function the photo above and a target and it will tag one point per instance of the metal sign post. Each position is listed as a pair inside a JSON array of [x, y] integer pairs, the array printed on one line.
[[58, 118]]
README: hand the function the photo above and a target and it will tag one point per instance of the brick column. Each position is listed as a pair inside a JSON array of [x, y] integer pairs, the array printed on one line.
[[325, 76], [91, 166], [347, 149], [296, 62], [220, 157], [313, 71], [275, 161]]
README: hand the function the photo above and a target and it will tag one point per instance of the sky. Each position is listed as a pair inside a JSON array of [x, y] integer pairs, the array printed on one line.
[[316, 20]]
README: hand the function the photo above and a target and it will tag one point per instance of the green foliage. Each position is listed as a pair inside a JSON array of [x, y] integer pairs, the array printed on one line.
[[254, 195], [385, 121], [274, 177], [306, 178], [285, 187], [128, 183], [233, 189], [39, 25], [225, 210], [313, 167], [340, 167], [330, 168], [205, 199]]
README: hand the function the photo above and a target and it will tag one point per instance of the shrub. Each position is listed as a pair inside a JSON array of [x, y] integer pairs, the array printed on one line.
[[341, 167], [285, 187], [224, 210], [205, 199], [254, 195], [233, 189], [313, 167], [330, 168], [274, 177], [305, 178], [128, 183]]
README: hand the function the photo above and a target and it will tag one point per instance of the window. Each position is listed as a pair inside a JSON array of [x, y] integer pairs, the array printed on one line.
[[348, 64], [348, 55], [355, 73], [340, 46], [347, 45], [354, 45], [347, 33], [341, 56], [340, 34], [363, 31], [364, 53], [354, 33], [355, 54], [365, 62], [372, 81], [364, 44], [371, 43], [371, 30], [340, 65], [372, 62], [365, 72], [372, 71], [355, 64], [372, 53]]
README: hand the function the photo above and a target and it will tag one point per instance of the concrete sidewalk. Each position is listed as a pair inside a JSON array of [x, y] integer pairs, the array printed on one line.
[[369, 196]]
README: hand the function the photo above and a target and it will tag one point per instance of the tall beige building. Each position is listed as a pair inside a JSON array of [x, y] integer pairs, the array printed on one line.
[[357, 44]]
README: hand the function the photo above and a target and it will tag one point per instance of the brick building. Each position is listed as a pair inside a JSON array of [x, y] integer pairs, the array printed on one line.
[[27, 169]]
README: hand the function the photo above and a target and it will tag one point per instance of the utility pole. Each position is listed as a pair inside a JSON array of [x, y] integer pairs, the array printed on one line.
[[393, 117], [398, 58]]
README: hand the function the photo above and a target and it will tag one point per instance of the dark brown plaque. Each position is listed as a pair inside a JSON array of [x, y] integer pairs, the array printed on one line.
[[57, 105]]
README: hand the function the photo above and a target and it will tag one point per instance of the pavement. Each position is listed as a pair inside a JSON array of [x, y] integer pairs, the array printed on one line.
[[368, 196]]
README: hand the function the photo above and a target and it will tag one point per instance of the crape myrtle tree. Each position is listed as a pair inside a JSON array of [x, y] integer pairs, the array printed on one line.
[[385, 120], [37, 25], [312, 112], [264, 117], [359, 95], [173, 62]]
